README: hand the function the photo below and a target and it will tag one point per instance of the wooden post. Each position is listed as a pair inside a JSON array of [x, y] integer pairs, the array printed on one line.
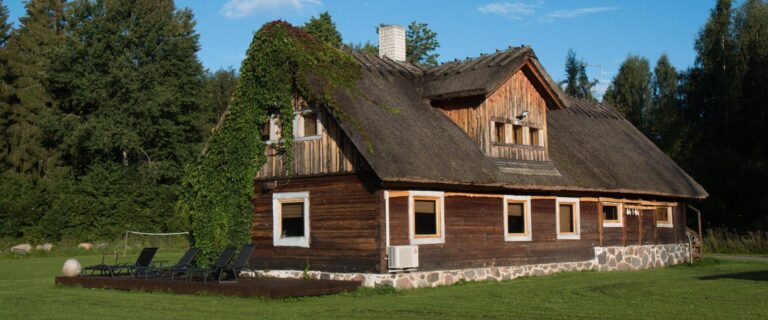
[[624, 229], [600, 222], [640, 224], [655, 235]]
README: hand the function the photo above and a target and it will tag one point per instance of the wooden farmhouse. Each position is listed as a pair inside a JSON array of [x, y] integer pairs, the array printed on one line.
[[477, 169]]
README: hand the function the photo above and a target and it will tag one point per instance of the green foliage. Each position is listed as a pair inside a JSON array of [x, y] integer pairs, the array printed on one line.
[[577, 82], [218, 189], [630, 91], [219, 87], [420, 44], [366, 47], [324, 29]]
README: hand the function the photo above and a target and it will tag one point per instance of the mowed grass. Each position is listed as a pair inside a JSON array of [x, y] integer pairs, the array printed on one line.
[[707, 290]]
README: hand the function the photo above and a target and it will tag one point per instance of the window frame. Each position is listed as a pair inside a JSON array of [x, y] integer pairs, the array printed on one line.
[[576, 234], [494, 137], [664, 224], [298, 125], [619, 212], [274, 119], [289, 197], [526, 201], [534, 136], [439, 197]]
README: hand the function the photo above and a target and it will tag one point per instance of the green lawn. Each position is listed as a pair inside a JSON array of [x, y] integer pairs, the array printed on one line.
[[709, 290]]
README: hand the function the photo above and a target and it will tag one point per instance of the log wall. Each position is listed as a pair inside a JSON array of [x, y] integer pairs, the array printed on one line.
[[345, 229]]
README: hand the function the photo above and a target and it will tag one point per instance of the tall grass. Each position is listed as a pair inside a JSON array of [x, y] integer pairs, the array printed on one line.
[[728, 241]]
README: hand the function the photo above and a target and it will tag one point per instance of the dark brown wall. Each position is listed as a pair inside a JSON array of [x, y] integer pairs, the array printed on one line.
[[344, 222], [474, 235]]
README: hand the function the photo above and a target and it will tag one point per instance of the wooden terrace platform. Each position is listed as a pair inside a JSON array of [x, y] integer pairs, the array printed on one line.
[[266, 288]]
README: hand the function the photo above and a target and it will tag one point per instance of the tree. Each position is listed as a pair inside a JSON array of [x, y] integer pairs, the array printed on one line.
[[366, 47], [323, 28], [5, 26], [29, 107], [219, 87], [666, 125], [420, 44], [577, 82], [630, 91]]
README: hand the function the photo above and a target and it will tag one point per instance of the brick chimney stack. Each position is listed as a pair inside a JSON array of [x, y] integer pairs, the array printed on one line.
[[392, 42]]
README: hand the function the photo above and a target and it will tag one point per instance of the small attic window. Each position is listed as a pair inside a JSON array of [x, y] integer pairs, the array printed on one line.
[[518, 134], [533, 137], [499, 134]]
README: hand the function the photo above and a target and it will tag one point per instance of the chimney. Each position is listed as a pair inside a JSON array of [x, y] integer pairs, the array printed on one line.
[[392, 42]]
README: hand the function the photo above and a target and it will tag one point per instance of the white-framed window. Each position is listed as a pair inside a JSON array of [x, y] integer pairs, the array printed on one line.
[[517, 218], [613, 214], [307, 125], [426, 212], [290, 219], [568, 218], [663, 217]]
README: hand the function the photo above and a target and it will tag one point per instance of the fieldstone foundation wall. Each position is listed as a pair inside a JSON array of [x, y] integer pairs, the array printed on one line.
[[606, 259]]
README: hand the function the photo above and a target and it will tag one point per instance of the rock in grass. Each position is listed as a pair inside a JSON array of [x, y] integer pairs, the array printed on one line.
[[71, 268], [85, 246], [44, 247], [23, 248], [101, 245]]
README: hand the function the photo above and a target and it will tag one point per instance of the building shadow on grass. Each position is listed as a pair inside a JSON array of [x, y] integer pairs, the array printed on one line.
[[753, 275]]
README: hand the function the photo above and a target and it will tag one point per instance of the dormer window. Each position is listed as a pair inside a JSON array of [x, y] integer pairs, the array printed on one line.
[[533, 137], [306, 126], [518, 134], [499, 134]]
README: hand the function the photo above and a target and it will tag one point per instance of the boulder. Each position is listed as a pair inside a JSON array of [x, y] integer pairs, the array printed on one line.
[[23, 248], [85, 246], [44, 247], [71, 268]]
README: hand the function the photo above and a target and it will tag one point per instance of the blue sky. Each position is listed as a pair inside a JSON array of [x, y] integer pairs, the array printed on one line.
[[601, 32]]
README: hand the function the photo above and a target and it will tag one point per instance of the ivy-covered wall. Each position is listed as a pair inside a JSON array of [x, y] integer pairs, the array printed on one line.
[[277, 69]]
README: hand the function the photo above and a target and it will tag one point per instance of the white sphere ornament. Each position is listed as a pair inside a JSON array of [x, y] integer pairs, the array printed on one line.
[[72, 268]]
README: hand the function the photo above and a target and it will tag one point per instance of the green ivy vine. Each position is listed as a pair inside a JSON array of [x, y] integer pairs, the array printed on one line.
[[281, 64]]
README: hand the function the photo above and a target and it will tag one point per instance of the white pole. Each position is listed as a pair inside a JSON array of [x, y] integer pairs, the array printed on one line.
[[125, 247]]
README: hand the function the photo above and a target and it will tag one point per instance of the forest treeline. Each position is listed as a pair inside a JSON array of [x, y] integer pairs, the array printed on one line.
[[104, 102]]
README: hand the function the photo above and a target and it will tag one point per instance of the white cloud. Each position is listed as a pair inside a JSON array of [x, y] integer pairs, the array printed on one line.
[[573, 13], [513, 10], [244, 8]]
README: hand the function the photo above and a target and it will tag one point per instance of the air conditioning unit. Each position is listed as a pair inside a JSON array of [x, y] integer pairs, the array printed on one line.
[[403, 258]]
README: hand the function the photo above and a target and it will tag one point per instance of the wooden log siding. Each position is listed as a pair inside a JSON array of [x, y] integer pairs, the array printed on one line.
[[513, 97], [343, 222], [332, 153]]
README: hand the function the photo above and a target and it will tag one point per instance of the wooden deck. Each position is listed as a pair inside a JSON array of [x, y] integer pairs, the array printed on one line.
[[266, 288]]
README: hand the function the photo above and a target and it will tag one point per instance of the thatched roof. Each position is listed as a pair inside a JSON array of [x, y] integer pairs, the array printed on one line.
[[591, 146]]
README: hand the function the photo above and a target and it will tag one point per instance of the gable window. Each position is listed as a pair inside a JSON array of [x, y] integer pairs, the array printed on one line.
[[664, 217], [533, 135], [499, 134], [290, 219], [307, 125], [517, 218], [518, 134], [568, 218], [270, 132], [426, 217], [265, 131], [612, 215]]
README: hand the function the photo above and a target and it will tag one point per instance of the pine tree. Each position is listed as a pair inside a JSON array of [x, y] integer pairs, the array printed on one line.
[[323, 28], [31, 109], [576, 81], [5, 26], [5, 33], [420, 44], [630, 91]]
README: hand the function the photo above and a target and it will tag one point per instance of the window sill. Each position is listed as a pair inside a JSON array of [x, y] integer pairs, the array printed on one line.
[[664, 225], [612, 225], [513, 238], [515, 145], [568, 237], [301, 242], [417, 241], [308, 138]]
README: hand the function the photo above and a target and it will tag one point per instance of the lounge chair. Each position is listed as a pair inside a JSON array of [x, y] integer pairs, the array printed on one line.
[[144, 260], [241, 263], [215, 268], [180, 267]]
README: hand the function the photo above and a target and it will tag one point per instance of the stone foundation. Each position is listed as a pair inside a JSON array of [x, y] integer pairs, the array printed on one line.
[[606, 259]]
